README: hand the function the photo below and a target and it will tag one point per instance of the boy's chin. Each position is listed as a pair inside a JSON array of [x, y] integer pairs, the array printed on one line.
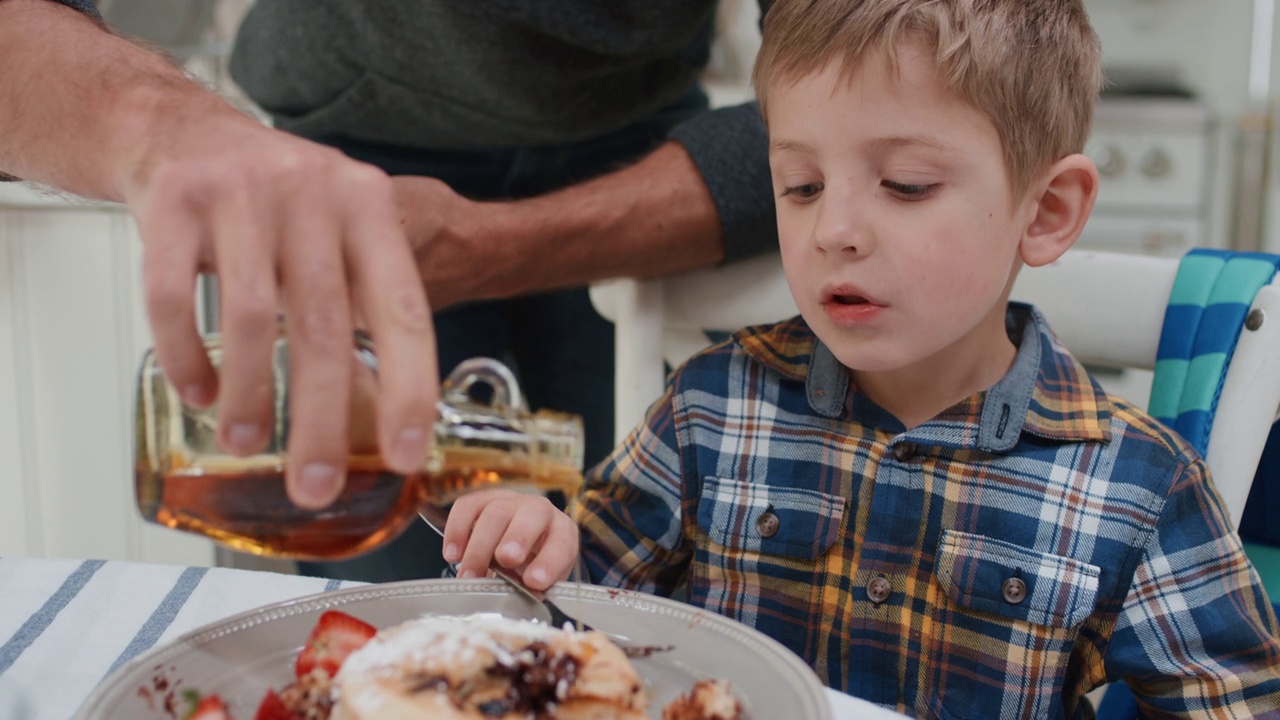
[[861, 356]]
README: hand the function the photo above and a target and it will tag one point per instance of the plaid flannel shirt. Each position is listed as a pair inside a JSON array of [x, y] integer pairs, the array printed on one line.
[[999, 561]]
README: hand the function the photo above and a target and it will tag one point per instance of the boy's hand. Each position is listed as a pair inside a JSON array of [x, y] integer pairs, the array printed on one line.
[[521, 532]]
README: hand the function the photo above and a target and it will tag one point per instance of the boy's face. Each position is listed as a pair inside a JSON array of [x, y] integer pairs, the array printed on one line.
[[899, 232]]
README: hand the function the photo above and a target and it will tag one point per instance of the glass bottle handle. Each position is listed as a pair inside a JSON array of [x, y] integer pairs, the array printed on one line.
[[456, 388]]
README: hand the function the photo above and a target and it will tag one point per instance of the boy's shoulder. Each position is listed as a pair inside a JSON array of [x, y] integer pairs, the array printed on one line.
[[1136, 420], [1123, 419], [784, 347]]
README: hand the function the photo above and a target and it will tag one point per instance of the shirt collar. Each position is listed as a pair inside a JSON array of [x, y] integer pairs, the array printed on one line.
[[1046, 392]]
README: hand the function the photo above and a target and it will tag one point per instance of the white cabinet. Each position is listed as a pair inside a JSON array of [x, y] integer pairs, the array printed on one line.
[[72, 331]]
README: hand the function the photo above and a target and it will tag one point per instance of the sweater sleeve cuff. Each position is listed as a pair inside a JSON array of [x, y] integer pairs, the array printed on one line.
[[84, 6], [731, 149]]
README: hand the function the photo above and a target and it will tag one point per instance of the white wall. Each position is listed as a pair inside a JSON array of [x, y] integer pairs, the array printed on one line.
[[72, 331]]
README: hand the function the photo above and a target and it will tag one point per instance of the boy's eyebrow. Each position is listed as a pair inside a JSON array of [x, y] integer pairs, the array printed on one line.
[[790, 145], [897, 141], [876, 145]]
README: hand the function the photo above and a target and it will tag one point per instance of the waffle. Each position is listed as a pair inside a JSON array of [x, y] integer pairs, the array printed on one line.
[[487, 667]]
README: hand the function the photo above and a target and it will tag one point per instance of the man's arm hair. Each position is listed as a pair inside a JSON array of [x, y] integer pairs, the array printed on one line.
[[78, 104], [84, 6]]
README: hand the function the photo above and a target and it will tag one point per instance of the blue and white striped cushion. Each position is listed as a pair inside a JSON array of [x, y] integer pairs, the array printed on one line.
[[1207, 309]]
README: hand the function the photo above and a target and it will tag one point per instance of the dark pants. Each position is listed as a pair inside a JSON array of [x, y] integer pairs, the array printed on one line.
[[559, 347]]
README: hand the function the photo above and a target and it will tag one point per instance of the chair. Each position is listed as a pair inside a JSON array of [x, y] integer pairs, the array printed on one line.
[[1108, 308], [666, 321]]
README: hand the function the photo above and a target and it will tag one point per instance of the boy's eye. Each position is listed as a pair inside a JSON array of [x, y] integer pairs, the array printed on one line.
[[908, 191], [803, 192]]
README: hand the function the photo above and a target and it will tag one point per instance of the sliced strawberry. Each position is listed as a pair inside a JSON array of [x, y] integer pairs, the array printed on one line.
[[273, 708], [210, 708], [335, 636]]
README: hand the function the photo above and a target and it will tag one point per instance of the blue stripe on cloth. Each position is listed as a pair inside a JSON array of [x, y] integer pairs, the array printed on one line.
[[41, 619], [1179, 332], [163, 615], [332, 585], [1220, 326], [1194, 426]]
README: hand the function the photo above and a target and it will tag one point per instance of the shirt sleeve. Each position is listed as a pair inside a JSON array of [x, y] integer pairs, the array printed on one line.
[[629, 513], [1197, 636]]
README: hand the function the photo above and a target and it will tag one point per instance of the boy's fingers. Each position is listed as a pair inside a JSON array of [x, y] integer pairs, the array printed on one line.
[[527, 527], [504, 526], [557, 556], [462, 517], [488, 529]]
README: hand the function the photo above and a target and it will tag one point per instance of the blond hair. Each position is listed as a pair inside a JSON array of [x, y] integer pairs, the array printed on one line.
[[1033, 67]]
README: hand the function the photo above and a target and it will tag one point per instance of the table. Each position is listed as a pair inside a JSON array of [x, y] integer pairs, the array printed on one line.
[[65, 625]]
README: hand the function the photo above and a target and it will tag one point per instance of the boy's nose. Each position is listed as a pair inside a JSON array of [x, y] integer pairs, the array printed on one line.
[[840, 229]]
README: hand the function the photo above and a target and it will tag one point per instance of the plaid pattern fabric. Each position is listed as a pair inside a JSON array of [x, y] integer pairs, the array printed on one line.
[[999, 561]]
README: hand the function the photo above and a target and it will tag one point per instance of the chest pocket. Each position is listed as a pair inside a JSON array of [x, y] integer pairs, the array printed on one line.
[[1005, 601], [989, 575], [756, 518], [760, 559]]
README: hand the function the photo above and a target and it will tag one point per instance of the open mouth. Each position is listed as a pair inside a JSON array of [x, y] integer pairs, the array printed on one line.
[[846, 304]]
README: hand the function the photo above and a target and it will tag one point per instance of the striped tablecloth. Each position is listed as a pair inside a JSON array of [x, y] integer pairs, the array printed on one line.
[[65, 625]]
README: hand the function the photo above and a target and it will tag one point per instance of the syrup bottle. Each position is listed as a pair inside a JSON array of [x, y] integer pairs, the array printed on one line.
[[183, 480]]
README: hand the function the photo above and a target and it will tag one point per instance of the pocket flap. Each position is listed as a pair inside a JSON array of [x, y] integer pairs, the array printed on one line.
[[973, 569], [804, 524]]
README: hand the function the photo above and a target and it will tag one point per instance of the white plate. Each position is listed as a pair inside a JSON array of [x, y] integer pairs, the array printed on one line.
[[241, 657]]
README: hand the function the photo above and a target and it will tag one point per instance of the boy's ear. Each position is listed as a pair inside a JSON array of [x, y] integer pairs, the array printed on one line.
[[1063, 199]]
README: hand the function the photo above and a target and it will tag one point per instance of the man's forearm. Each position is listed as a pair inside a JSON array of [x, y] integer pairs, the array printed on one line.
[[651, 219], [78, 104]]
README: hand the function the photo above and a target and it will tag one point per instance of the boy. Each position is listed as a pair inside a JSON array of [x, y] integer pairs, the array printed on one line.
[[913, 485]]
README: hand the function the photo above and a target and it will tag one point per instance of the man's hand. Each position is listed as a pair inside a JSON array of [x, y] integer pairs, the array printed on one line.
[[289, 227]]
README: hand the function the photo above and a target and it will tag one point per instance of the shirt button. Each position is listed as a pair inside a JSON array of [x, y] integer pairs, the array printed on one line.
[[1014, 591], [904, 450], [879, 590], [768, 524]]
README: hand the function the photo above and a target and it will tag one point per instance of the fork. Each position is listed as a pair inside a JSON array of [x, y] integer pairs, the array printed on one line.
[[436, 517]]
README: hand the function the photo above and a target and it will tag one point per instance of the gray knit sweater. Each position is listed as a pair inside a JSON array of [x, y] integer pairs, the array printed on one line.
[[473, 74]]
